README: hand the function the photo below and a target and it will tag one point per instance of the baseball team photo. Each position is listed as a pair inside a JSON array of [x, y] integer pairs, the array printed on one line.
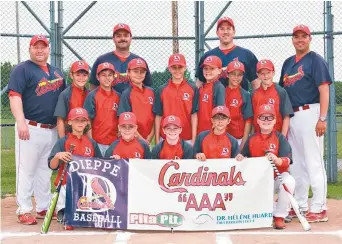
[[171, 122]]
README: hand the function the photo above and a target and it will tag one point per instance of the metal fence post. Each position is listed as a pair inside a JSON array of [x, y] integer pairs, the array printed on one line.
[[201, 29], [60, 36], [52, 34], [332, 131], [197, 52]]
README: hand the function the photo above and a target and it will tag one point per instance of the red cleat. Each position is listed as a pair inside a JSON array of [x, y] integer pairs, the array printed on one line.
[[26, 219], [317, 217], [279, 223], [68, 227], [41, 215]]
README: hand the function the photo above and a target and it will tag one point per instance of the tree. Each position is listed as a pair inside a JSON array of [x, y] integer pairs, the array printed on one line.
[[5, 69]]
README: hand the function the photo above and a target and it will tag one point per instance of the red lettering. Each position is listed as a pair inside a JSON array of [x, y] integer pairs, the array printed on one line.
[[205, 203], [180, 180], [192, 203], [218, 202]]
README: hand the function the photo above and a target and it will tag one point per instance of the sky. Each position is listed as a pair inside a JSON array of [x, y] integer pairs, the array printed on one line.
[[154, 19]]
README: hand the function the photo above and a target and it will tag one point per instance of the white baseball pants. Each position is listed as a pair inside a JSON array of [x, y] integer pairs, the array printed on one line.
[[62, 198], [33, 176], [281, 207], [103, 148], [308, 165]]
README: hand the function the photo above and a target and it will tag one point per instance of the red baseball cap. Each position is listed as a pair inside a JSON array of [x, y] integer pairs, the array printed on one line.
[[38, 38], [122, 26], [220, 110], [172, 120], [177, 59], [78, 113], [265, 64], [235, 65], [137, 63], [79, 65], [225, 19], [266, 109], [303, 28], [105, 66], [127, 118], [212, 61]]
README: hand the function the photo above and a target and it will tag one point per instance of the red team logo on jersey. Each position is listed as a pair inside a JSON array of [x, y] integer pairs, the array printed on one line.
[[225, 151], [87, 151], [271, 101], [205, 98], [137, 155], [289, 80], [234, 103], [272, 147], [115, 107], [186, 96], [44, 85], [150, 99]]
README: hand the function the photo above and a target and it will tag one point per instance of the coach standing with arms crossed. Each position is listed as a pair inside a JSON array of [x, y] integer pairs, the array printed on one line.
[[34, 87], [306, 79], [120, 57]]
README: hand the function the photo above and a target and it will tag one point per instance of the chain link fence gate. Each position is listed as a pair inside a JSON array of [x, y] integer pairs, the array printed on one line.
[[83, 30]]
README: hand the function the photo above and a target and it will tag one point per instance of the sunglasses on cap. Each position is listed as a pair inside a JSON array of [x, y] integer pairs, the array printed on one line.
[[266, 118]]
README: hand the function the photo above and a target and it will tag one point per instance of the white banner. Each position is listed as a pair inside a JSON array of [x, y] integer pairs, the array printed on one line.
[[218, 194]]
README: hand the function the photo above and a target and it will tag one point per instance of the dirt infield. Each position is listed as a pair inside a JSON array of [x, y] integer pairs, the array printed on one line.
[[13, 233]]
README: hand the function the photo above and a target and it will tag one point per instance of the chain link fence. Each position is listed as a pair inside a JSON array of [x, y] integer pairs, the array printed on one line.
[[263, 27]]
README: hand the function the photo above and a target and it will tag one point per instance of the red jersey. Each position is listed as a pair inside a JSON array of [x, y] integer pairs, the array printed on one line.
[[135, 148], [239, 103], [277, 96], [102, 107], [211, 95], [178, 100], [140, 102], [84, 146], [257, 145], [216, 146]]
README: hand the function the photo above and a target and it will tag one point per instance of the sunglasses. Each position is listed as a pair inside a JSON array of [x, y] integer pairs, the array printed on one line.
[[266, 118]]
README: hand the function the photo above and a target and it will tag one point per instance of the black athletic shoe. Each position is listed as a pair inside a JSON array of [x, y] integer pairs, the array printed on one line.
[[60, 216]]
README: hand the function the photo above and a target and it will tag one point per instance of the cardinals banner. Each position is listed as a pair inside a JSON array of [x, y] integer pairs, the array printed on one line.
[[97, 193], [186, 195]]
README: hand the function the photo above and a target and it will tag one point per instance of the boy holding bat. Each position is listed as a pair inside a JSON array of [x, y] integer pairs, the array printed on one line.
[[78, 125], [277, 150]]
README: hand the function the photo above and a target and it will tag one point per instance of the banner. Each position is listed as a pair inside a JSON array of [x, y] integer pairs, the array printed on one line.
[[96, 194], [188, 195]]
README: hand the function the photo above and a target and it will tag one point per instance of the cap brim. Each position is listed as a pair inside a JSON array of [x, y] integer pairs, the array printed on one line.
[[171, 123], [79, 116], [306, 32], [220, 113], [210, 65], [127, 122], [104, 69], [268, 68], [80, 70], [35, 42], [240, 69]]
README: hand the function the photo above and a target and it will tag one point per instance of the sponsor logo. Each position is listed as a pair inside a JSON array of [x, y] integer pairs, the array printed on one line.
[[242, 218], [166, 219], [203, 219]]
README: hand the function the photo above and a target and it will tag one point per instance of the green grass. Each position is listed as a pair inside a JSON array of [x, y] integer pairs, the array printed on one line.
[[8, 177]]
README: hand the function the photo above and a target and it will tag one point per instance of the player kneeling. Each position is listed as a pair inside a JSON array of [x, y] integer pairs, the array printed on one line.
[[172, 147], [78, 125], [128, 146], [216, 143], [279, 152]]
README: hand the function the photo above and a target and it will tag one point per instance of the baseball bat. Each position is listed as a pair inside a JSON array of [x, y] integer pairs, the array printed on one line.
[[53, 202], [295, 206]]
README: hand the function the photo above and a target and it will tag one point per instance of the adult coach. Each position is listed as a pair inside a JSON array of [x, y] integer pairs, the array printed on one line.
[[306, 79], [227, 51], [120, 57], [34, 87]]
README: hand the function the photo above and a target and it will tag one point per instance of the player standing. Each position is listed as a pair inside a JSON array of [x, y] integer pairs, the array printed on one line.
[[34, 87], [173, 147], [78, 124], [177, 97], [73, 96], [239, 103], [216, 143], [271, 93], [211, 94], [305, 77], [227, 51], [102, 106], [128, 145], [139, 99], [278, 151], [119, 58]]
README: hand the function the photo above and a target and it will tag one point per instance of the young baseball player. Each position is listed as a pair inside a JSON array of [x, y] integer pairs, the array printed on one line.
[[228, 51], [216, 143], [128, 145], [102, 106], [239, 103], [77, 125], [73, 96], [177, 97], [139, 100], [173, 147], [271, 93], [211, 94], [279, 152], [306, 78]]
